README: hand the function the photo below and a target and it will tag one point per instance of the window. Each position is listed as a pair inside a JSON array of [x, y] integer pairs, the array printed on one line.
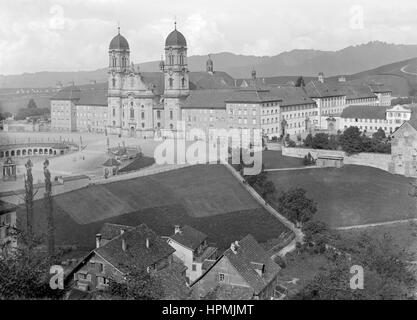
[[171, 115], [142, 115], [132, 113], [113, 82], [183, 82], [171, 82], [221, 277], [114, 112], [194, 267], [158, 114]]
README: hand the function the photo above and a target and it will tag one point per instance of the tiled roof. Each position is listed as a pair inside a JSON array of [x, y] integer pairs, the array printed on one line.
[[379, 88], [136, 252], [217, 80], [110, 231], [93, 98], [119, 43], [111, 162], [364, 112], [175, 38], [209, 99], [189, 237], [357, 91], [252, 95], [250, 254], [317, 89], [292, 96], [173, 282], [68, 93]]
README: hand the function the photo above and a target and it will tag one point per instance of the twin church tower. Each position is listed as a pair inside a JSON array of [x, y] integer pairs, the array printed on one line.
[[142, 104]]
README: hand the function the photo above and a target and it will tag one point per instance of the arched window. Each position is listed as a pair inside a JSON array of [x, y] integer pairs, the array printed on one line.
[[170, 59], [171, 115], [142, 115], [113, 82], [132, 113], [114, 63], [171, 126], [183, 82], [171, 82]]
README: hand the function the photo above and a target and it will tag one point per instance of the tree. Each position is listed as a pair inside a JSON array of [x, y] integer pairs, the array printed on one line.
[[296, 206], [49, 210], [387, 275], [321, 141], [139, 285], [308, 160], [379, 135], [29, 199], [300, 82], [32, 104], [351, 140], [308, 141], [262, 185]]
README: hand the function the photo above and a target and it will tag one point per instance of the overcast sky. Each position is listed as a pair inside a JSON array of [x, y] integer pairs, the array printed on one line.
[[68, 35]]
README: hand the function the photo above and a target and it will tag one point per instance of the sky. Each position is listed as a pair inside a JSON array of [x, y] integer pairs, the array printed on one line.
[[72, 35]]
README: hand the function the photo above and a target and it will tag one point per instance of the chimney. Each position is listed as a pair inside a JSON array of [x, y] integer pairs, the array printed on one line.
[[122, 231], [98, 240], [123, 244], [234, 246], [177, 229], [147, 243]]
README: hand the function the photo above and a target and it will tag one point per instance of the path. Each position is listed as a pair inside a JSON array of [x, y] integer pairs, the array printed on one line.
[[369, 225], [298, 234], [407, 72]]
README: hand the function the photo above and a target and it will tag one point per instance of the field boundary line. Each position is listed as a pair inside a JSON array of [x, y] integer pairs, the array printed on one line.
[[376, 224]]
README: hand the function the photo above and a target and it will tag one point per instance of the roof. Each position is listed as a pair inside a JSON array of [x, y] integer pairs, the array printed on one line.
[[252, 95], [292, 96], [111, 162], [136, 253], [379, 88], [6, 207], [207, 99], [97, 97], [317, 89], [68, 93], [364, 112], [175, 38], [353, 91], [110, 231], [215, 80], [248, 258], [189, 237], [173, 282], [119, 43]]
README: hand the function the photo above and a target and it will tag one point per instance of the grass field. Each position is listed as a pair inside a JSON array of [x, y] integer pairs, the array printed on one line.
[[206, 197], [275, 160], [138, 163], [353, 194]]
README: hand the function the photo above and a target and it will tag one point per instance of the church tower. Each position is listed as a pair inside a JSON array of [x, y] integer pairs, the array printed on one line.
[[119, 60], [209, 66], [176, 77]]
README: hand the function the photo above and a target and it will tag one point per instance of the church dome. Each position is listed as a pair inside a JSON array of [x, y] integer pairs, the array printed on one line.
[[119, 43], [175, 38]]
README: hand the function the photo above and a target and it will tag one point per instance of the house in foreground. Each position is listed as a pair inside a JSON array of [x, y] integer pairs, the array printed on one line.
[[119, 247], [192, 249], [242, 272]]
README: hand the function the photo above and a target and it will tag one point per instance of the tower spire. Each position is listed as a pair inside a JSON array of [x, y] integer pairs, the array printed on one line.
[[175, 22], [118, 27]]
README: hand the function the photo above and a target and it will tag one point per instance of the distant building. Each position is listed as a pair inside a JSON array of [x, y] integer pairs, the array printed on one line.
[[192, 249], [244, 271], [370, 118]]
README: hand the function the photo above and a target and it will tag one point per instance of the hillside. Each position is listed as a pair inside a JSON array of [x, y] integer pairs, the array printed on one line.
[[349, 60]]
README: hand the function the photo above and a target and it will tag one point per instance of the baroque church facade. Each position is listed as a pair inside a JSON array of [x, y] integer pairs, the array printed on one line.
[[134, 104]]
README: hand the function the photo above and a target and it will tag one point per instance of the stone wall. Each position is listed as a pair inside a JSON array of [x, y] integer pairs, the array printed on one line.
[[377, 160]]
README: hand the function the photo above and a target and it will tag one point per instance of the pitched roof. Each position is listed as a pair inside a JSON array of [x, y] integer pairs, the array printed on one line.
[[95, 97], [250, 254], [252, 95], [317, 89], [208, 99], [354, 91], [216, 80], [364, 112], [249, 257], [110, 231], [292, 96], [379, 88], [137, 252], [189, 237], [111, 162], [68, 93]]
